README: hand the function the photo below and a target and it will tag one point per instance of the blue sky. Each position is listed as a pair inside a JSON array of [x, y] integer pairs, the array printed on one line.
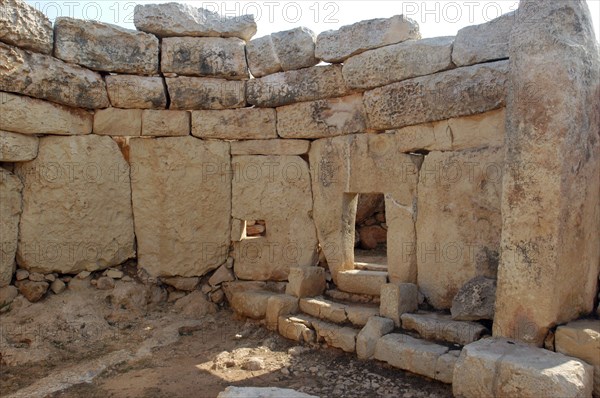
[[436, 18]]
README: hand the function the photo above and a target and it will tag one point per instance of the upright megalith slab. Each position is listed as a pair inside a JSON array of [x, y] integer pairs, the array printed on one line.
[[550, 246], [10, 211], [76, 206], [181, 189]]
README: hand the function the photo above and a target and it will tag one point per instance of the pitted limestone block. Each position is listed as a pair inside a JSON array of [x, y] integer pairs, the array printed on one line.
[[105, 47], [131, 91], [238, 124], [359, 315], [118, 122], [407, 353], [441, 327], [65, 232], [475, 300], [270, 147], [366, 340], [349, 40], [497, 367], [177, 171], [204, 56], [206, 93], [251, 304], [15, 147], [275, 189], [279, 305], [157, 123], [397, 299], [23, 26], [548, 271], [455, 246], [309, 84], [483, 43], [457, 92], [322, 118], [10, 209], [398, 62], [306, 281], [176, 19], [341, 337], [262, 58], [45, 77], [364, 282]]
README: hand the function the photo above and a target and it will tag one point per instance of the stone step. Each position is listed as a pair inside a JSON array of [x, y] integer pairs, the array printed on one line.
[[304, 328], [361, 281], [336, 312], [370, 266], [441, 327], [417, 356], [338, 295]]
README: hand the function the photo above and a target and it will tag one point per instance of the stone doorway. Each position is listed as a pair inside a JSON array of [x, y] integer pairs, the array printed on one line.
[[370, 232]]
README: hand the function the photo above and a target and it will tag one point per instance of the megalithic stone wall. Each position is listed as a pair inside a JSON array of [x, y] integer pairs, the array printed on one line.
[[550, 209]]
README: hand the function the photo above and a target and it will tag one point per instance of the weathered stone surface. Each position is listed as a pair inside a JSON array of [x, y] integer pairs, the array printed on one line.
[[340, 337], [275, 189], [370, 334], [282, 51], [58, 286], [349, 40], [359, 281], [497, 367], [262, 392], [176, 19], [444, 367], [45, 77], [455, 246], [182, 283], [156, 123], [398, 62], [306, 281], [407, 353], [397, 299], [26, 115], [432, 326], [206, 93], [307, 84], [222, 274], [10, 210], [458, 92], [482, 43], [15, 147], [194, 305], [251, 304], [105, 47], [550, 253], [475, 300], [279, 305], [105, 283], [23, 26], [250, 123], [76, 206], [322, 118], [170, 173], [204, 56], [32, 291], [294, 328], [270, 147], [119, 122], [359, 315], [324, 309], [7, 295], [131, 91]]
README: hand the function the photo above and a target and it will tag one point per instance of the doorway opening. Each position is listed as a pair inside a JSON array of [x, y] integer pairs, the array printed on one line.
[[370, 233]]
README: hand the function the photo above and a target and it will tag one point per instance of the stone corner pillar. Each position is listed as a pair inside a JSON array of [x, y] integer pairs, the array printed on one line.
[[550, 247]]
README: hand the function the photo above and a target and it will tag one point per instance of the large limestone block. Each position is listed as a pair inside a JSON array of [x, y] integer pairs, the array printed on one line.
[[157, 123], [457, 92], [440, 327], [322, 118], [16, 147], [204, 56], [496, 367], [118, 122], [282, 51], [252, 304], [181, 203], [26, 115], [306, 281], [10, 211], [23, 26], [206, 93], [238, 124], [551, 215], [45, 77], [76, 206], [349, 40], [131, 91], [270, 147], [340, 337], [176, 19], [279, 305], [369, 335], [105, 47], [398, 62], [459, 221], [397, 299], [483, 43], [309, 84], [275, 189]]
